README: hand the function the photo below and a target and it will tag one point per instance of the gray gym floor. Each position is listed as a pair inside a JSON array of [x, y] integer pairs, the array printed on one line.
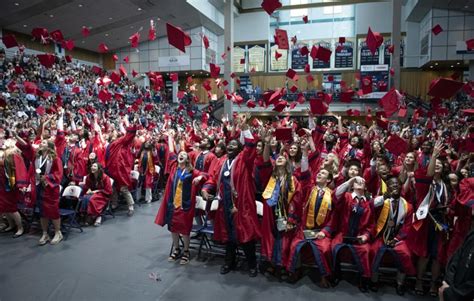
[[113, 262]]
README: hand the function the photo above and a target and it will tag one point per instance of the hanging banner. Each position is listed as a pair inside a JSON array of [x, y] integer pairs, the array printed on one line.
[[298, 61], [239, 54], [387, 57], [366, 57], [282, 63], [344, 55], [318, 64], [257, 57]]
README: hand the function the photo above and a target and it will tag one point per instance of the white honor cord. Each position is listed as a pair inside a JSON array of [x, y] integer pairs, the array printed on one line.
[[42, 162], [229, 166]]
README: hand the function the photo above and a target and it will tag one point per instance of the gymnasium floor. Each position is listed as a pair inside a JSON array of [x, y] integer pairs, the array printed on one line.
[[113, 262]]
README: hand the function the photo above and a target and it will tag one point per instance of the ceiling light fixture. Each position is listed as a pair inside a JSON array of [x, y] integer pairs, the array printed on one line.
[[79, 5], [16, 4], [51, 16], [467, 6], [106, 34], [139, 9], [110, 18], [458, 63], [24, 25], [436, 64], [452, 66]]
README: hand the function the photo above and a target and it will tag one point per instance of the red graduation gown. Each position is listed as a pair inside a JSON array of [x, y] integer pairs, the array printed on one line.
[[10, 197], [98, 200], [119, 159]]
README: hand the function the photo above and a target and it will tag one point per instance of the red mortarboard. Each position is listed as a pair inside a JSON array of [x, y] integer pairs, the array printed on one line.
[[149, 107], [390, 102], [57, 36], [271, 5], [355, 112], [318, 107], [280, 106], [305, 19], [301, 99], [47, 94], [281, 39], [68, 58], [39, 33], [180, 94], [307, 68], [126, 59], [277, 55], [76, 90], [103, 48], [437, 29], [291, 74], [115, 77], [396, 145], [68, 44], [349, 112], [174, 77], [330, 78], [392, 71], [215, 70], [134, 40], [205, 41], [123, 71], [304, 51], [85, 31], [189, 79], [96, 70], [18, 70], [373, 40], [30, 88], [207, 85], [309, 78], [104, 95], [293, 105], [177, 37], [347, 96], [470, 44], [468, 111], [402, 112], [294, 88], [242, 61], [9, 41], [232, 75], [40, 111], [115, 57], [321, 53], [251, 104], [283, 134], [152, 31], [47, 60], [342, 40], [367, 85], [294, 40], [444, 88], [391, 48]]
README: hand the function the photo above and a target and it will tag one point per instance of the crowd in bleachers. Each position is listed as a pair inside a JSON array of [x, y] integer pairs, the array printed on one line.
[[321, 190]]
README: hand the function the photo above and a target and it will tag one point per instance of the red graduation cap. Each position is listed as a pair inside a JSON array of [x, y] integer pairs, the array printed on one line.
[[205, 41], [346, 96], [307, 68], [437, 29], [96, 70], [294, 88], [373, 40], [68, 58], [281, 39], [293, 105], [291, 74], [104, 95], [232, 75], [283, 134], [40, 110], [305, 19], [470, 44], [103, 48], [390, 102], [301, 99], [391, 48], [18, 70], [342, 40], [115, 77], [280, 106], [320, 53], [126, 59], [57, 36], [396, 145], [304, 51], [444, 88], [309, 78], [152, 31], [330, 78], [293, 40], [30, 88], [349, 112], [9, 41], [174, 77], [469, 112], [402, 113], [215, 70], [277, 55], [189, 79], [149, 107], [392, 71], [39, 33], [207, 85], [318, 106], [180, 94], [68, 44], [123, 71], [356, 112], [242, 61], [85, 31], [251, 104], [76, 90], [47, 60], [177, 37], [134, 40], [271, 5], [367, 85], [115, 57]]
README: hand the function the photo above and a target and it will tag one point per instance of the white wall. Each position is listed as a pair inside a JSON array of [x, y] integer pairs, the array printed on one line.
[[412, 45], [251, 27], [376, 15]]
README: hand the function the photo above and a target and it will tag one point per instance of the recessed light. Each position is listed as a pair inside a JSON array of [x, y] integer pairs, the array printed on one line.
[[83, 41], [458, 63], [139, 9], [452, 66], [51, 16], [431, 66], [467, 6], [131, 27], [436, 64], [106, 34], [110, 18], [16, 4], [24, 25], [79, 5]]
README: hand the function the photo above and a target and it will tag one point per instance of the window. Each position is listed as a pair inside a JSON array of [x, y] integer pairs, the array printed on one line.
[[329, 10], [298, 12]]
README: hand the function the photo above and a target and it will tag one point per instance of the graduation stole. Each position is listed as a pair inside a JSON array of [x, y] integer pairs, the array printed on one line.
[[385, 211], [268, 193], [10, 175], [150, 165], [383, 187], [323, 209], [178, 193]]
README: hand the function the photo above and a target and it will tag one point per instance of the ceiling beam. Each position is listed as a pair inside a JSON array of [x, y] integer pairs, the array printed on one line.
[[31, 11], [313, 5]]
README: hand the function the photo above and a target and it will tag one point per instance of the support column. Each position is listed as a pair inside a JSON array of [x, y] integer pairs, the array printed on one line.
[[471, 70], [175, 92], [396, 37], [228, 42]]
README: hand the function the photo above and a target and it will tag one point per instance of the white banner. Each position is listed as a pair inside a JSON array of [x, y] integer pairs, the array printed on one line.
[[174, 61], [370, 68]]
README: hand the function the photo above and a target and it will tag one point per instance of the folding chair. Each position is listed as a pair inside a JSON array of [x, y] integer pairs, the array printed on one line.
[[108, 209], [68, 209]]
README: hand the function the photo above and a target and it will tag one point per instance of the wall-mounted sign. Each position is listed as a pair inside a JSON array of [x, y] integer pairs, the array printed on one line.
[[366, 57], [239, 54], [282, 63], [257, 57], [318, 64], [344, 55], [387, 56], [298, 61], [174, 61]]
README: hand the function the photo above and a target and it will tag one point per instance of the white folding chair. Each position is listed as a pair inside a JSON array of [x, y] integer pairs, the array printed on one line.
[[200, 203], [259, 208], [72, 191], [134, 175], [157, 169]]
